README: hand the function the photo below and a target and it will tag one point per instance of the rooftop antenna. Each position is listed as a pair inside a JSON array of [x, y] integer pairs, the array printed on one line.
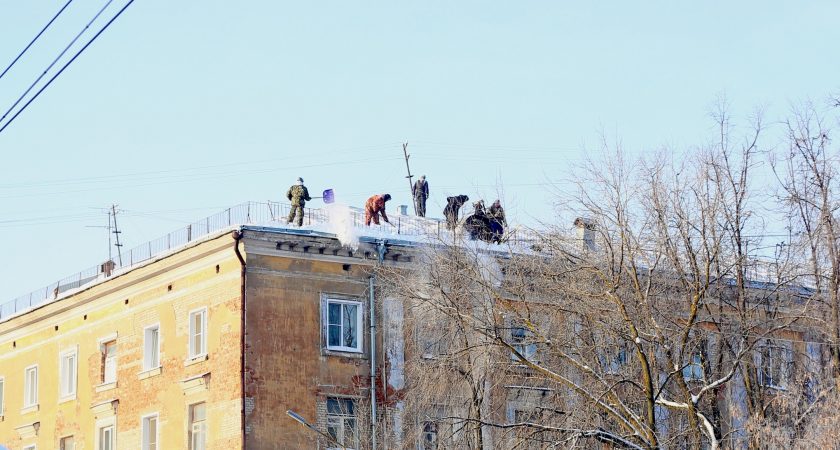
[[116, 232], [410, 184]]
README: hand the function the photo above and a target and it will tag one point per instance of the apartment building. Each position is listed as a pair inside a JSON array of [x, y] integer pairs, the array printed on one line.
[[203, 346]]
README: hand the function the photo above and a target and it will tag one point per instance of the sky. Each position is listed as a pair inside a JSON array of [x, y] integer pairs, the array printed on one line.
[[181, 109]]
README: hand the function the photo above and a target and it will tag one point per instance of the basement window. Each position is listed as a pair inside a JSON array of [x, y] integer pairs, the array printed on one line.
[[342, 323]]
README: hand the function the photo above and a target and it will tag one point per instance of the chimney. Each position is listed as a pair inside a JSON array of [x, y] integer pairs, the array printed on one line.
[[585, 234], [402, 209]]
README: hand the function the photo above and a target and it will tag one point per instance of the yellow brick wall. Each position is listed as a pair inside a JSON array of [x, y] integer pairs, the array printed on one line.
[[84, 318]]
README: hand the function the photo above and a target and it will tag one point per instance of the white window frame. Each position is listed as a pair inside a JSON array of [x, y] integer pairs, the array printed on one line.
[[192, 423], [340, 421], [203, 350], [148, 360], [100, 427], [144, 427], [2, 395], [29, 447], [360, 322], [784, 361], [102, 348], [61, 442], [70, 395], [26, 386]]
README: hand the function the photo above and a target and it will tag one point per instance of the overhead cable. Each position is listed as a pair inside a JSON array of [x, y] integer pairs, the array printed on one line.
[[36, 37], [66, 65]]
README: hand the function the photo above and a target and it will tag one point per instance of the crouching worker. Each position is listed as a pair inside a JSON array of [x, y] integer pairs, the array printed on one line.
[[374, 207], [298, 195]]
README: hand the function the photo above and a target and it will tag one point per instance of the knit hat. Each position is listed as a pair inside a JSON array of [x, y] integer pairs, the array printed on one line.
[[299, 181]]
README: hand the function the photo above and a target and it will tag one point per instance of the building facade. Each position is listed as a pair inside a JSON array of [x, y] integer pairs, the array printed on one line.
[[204, 347]]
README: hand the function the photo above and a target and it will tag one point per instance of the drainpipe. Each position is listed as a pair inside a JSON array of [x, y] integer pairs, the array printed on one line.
[[381, 249], [236, 237]]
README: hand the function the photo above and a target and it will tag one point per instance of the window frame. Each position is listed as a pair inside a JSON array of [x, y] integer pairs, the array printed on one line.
[[144, 430], [203, 352], [147, 363], [520, 343], [2, 395], [100, 429], [26, 386], [766, 357], [104, 350], [192, 423], [30, 447], [360, 324], [62, 443], [74, 353], [341, 420]]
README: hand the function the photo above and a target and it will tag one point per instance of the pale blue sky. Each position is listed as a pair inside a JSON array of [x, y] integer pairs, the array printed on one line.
[[267, 91]]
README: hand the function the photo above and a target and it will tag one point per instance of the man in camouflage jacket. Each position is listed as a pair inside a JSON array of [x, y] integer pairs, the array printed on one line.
[[298, 195]]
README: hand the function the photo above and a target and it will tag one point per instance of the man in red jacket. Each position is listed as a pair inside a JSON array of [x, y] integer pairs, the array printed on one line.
[[375, 206]]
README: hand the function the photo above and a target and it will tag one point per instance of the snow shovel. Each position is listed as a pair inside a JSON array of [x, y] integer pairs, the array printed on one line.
[[328, 196]]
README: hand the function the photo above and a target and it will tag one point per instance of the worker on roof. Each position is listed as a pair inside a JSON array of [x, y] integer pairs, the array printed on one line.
[[420, 191], [298, 195], [498, 223], [374, 207]]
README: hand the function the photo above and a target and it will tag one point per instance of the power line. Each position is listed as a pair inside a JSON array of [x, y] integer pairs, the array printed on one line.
[[36, 37], [51, 65], [68, 62]]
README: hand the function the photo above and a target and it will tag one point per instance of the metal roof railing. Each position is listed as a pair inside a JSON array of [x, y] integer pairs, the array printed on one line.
[[242, 214]]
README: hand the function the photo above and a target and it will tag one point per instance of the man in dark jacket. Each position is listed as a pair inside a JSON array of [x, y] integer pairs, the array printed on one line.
[[498, 223], [298, 195], [450, 211], [420, 190]]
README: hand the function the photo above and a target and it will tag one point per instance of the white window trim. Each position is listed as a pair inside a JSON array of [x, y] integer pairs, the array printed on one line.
[[25, 391], [104, 423], [784, 376], [144, 442], [145, 329], [29, 447], [71, 395], [360, 323], [191, 423], [65, 437], [102, 343], [203, 335], [2, 395]]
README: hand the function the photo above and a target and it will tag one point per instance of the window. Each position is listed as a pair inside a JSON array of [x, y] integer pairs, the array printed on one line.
[[2, 392], [519, 341], [774, 360], [198, 426], [343, 325], [151, 348], [109, 362], [106, 438], [150, 433], [694, 369], [30, 388], [67, 443], [341, 422], [68, 370], [612, 354], [198, 333], [428, 440], [29, 447]]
